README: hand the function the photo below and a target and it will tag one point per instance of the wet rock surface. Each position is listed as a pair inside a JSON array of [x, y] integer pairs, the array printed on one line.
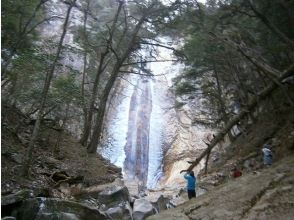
[[45, 208]]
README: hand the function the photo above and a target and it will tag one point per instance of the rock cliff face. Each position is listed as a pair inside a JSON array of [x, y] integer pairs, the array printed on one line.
[[266, 194], [187, 143]]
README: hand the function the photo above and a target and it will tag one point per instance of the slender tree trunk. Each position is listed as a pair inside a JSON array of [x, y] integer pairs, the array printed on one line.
[[206, 161], [219, 95], [95, 139], [100, 70], [242, 91], [88, 122], [100, 115], [84, 69], [221, 103], [28, 159], [56, 150]]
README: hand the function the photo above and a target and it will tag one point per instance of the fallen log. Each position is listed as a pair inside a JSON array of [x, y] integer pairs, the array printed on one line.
[[251, 105]]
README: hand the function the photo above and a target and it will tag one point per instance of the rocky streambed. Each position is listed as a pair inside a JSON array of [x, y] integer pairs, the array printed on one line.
[[106, 201]]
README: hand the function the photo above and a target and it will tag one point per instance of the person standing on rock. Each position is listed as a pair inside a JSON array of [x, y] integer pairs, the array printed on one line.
[[191, 184], [267, 154]]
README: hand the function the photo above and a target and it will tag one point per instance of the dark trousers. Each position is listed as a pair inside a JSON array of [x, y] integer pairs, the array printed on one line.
[[191, 193]]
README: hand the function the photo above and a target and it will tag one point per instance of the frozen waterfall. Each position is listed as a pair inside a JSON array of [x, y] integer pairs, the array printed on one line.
[[136, 131]]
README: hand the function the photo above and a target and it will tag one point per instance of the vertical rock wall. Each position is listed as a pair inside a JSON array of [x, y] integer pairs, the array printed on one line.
[[186, 145]]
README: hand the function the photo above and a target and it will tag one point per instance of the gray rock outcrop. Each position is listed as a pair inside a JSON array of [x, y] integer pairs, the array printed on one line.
[[121, 212]]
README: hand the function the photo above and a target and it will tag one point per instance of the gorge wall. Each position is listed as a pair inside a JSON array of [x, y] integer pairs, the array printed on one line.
[[146, 135]]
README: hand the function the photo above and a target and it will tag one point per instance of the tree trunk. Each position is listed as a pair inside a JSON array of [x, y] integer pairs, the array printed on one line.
[[28, 159], [100, 115], [221, 102], [85, 66], [62, 126], [95, 139], [100, 70], [206, 162], [88, 122], [242, 93]]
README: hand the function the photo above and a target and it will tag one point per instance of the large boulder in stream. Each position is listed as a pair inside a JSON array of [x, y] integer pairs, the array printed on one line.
[[54, 209], [114, 195], [110, 195], [142, 209]]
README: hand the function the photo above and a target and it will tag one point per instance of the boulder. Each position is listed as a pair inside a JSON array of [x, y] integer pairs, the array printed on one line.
[[121, 212], [161, 203], [142, 209], [59, 216], [109, 194], [68, 216], [12, 202], [15, 198], [114, 195], [45, 208]]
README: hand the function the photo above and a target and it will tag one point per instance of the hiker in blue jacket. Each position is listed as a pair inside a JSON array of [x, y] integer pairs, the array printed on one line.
[[191, 184]]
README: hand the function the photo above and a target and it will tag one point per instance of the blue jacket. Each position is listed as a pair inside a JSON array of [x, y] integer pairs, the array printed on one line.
[[191, 185]]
